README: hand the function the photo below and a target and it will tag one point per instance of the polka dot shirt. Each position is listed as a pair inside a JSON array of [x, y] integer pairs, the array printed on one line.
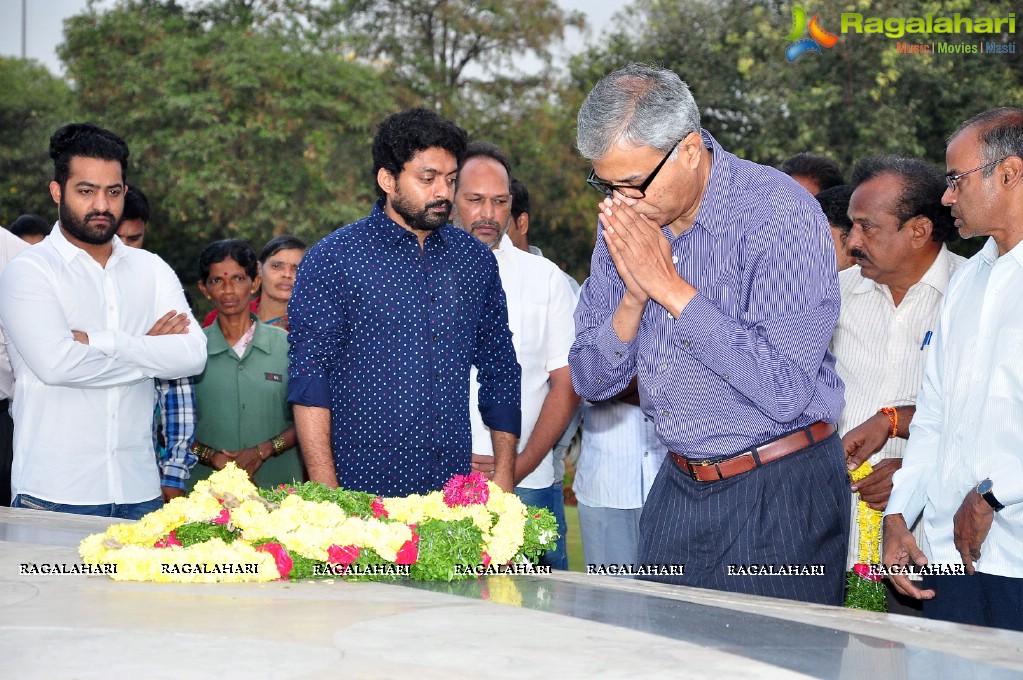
[[384, 333]]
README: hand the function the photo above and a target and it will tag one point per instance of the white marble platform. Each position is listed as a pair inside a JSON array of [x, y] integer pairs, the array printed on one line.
[[567, 625]]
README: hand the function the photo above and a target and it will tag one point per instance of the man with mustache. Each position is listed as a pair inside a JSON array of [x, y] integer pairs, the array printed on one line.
[[890, 304], [387, 317], [89, 323], [540, 305], [962, 471]]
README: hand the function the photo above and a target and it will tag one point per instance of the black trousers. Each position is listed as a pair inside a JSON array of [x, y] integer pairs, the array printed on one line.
[[6, 453], [981, 600], [789, 518]]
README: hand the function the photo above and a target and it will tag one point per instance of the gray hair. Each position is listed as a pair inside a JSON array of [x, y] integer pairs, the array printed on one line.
[[638, 105], [1001, 133]]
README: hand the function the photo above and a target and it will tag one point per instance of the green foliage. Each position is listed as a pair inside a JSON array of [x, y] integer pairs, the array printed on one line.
[[237, 129], [439, 48], [354, 503], [443, 545], [865, 594], [200, 532], [539, 535], [33, 104]]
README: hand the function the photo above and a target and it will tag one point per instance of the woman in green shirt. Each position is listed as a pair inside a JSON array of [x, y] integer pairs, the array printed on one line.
[[241, 397]]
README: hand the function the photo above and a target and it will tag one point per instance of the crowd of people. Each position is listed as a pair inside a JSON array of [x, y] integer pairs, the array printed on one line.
[[746, 337]]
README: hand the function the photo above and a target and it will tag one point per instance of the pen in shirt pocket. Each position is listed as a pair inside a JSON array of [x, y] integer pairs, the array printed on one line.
[[927, 340]]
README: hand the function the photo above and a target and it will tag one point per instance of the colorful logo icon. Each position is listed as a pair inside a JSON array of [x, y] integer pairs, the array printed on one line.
[[818, 36]]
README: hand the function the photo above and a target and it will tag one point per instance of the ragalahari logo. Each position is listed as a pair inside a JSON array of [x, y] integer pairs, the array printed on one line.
[[818, 36]]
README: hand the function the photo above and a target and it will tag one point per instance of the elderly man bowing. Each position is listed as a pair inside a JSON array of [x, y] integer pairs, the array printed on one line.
[[714, 281]]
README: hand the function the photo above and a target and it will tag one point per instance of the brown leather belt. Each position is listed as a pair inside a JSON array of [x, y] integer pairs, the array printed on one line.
[[713, 470]]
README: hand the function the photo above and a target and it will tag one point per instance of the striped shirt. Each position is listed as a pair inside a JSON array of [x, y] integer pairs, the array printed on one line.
[[967, 426], [748, 358], [880, 350], [620, 456]]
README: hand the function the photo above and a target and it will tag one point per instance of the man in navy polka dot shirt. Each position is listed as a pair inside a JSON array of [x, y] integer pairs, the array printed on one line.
[[388, 316]]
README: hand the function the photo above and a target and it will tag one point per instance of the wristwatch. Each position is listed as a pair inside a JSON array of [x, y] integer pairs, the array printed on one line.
[[984, 489]]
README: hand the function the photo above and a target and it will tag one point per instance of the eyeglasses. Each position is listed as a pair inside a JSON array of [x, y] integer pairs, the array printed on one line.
[[953, 180], [628, 190]]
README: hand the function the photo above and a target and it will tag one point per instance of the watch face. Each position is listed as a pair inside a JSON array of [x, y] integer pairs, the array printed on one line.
[[984, 487]]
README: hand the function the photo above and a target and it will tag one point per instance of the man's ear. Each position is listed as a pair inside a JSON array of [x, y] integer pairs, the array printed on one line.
[[386, 180], [691, 148], [55, 192], [921, 229], [522, 223], [1012, 172]]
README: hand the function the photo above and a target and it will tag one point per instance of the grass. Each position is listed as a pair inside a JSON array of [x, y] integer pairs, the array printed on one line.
[[575, 539]]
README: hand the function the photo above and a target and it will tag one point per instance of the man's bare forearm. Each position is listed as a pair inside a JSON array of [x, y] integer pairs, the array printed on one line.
[[505, 444], [555, 414], [313, 426]]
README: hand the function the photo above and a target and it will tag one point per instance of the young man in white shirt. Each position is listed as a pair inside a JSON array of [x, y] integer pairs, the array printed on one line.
[[89, 323], [540, 306]]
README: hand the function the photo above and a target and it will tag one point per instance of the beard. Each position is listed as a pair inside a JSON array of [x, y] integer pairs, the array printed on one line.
[[81, 228], [424, 219]]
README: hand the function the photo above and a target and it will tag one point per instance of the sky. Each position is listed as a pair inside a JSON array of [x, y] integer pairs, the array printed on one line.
[[44, 25]]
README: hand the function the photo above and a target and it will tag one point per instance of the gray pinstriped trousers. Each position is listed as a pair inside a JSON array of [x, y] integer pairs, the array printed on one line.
[[790, 517]]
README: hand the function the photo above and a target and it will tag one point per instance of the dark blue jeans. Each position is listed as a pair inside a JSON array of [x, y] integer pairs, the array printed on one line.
[[121, 511], [552, 498]]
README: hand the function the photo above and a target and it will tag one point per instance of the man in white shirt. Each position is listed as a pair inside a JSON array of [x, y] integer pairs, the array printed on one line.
[[10, 245], [174, 420], [619, 461], [540, 307], [963, 466], [518, 232], [890, 303], [89, 323]]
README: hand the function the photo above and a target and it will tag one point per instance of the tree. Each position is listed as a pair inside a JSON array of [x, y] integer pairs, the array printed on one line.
[[436, 46], [33, 103], [860, 97], [237, 127]]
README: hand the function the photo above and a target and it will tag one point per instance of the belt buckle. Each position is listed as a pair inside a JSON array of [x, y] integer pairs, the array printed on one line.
[[693, 466]]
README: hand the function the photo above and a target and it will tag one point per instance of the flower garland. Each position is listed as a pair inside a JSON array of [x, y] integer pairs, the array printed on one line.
[[864, 589], [228, 530]]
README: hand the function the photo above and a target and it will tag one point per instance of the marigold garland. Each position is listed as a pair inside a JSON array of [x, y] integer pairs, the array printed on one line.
[[228, 530], [864, 589]]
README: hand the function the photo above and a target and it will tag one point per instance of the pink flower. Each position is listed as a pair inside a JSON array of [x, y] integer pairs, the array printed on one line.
[[223, 518], [486, 559], [170, 541], [281, 557], [409, 551], [378, 508], [471, 489], [346, 555], [866, 571], [407, 554]]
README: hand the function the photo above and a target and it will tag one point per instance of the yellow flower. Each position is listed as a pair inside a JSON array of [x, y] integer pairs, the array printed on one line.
[[868, 523]]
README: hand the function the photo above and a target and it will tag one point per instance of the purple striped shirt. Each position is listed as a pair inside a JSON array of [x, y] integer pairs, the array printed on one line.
[[748, 358]]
